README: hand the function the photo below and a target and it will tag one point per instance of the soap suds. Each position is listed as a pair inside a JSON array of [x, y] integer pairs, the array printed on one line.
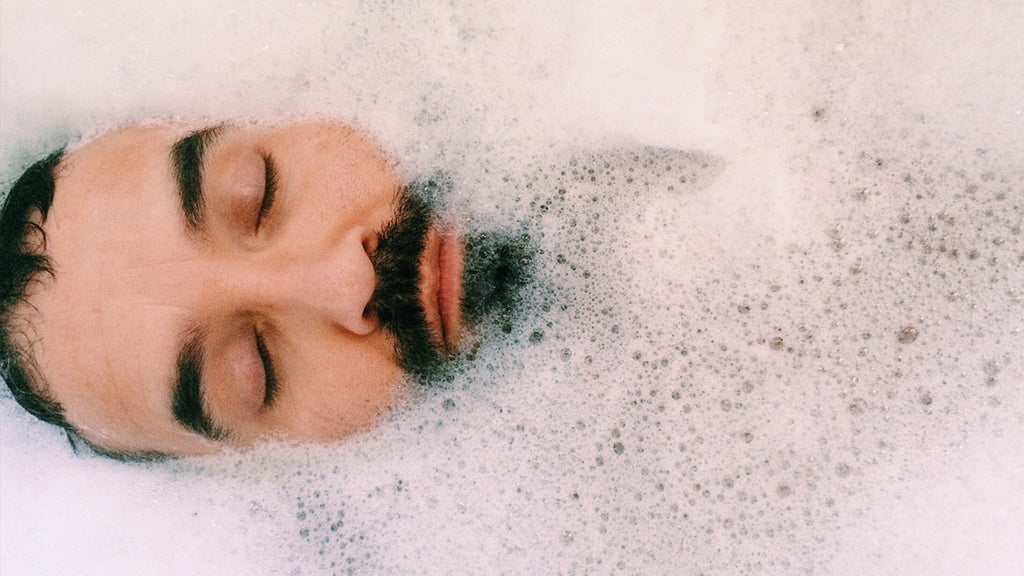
[[777, 308]]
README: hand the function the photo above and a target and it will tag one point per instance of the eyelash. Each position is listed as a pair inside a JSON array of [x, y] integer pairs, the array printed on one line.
[[269, 375], [270, 179]]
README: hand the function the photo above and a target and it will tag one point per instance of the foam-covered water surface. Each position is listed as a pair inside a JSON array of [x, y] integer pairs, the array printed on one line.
[[775, 325]]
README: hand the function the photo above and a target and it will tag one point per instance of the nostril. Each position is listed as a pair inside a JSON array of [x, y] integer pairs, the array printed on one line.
[[369, 244]]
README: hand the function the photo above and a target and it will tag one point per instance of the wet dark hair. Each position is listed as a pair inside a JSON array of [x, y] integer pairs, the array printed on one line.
[[23, 261]]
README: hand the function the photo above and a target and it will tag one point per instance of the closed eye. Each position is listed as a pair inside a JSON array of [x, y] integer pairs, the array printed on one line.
[[270, 182], [270, 384]]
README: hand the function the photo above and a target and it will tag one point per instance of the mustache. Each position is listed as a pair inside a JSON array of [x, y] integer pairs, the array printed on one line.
[[395, 301], [497, 266]]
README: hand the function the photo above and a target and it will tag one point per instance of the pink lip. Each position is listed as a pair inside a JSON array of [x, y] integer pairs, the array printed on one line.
[[441, 285]]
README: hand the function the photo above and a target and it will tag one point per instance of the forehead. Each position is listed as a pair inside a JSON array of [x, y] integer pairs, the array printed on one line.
[[113, 233]]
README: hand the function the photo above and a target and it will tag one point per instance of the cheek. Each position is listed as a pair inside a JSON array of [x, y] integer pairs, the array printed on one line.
[[360, 192], [343, 392]]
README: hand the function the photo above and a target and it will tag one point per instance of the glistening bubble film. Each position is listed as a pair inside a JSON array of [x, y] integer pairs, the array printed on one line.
[[773, 323]]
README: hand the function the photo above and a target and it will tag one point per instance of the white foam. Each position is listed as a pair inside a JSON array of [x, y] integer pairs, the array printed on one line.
[[804, 358]]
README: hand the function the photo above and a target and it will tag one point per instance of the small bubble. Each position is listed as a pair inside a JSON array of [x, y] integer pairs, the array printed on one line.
[[448, 404], [843, 470], [857, 406], [743, 308], [991, 368], [784, 490], [618, 448], [926, 399], [747, 436], [907, 335], [776, 343], [537, 336], [566, 354], [676, 395], [726, 405], [616, 433]]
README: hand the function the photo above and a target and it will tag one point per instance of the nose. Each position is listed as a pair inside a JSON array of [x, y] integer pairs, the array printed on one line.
[[332, 284]]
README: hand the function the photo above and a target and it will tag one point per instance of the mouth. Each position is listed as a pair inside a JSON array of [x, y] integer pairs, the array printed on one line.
[[441, 286]]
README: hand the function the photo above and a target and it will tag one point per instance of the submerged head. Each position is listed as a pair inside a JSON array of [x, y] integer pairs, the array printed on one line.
[[182, 290]]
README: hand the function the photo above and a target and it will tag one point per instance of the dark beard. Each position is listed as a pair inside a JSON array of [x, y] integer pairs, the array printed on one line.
[[496, 266], [396, 298], [497, 263]]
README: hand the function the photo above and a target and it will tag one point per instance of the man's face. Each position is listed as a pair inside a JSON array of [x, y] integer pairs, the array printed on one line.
[[218, 287]]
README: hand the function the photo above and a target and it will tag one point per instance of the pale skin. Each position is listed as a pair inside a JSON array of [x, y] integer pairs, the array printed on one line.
[[134, 284]]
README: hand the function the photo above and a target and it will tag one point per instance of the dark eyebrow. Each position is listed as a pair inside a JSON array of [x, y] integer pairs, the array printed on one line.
[[187, 404], [187, 156]]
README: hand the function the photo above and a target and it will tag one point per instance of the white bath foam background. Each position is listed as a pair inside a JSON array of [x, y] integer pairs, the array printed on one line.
[[804, 358]]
